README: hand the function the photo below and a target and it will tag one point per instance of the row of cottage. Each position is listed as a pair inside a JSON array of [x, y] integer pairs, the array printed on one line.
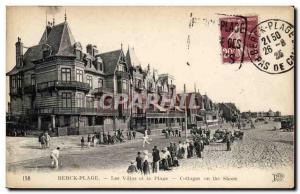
[[56, 85], [269, 113]]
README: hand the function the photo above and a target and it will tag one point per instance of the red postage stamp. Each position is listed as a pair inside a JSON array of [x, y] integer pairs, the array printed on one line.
[[234, 35]]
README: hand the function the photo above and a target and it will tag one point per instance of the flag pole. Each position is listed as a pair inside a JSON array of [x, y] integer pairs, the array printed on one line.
[[185, 111]]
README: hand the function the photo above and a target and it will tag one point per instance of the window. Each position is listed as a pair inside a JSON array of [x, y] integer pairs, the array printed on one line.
[[139, 83], [32, 79], [100, 82], [89, 102], [13, 81], [46, 53], [89, 80], [124, 84], [65, 74], [66, 99], [88, 63], [101, 66], [150, 85], [78, 54], [121, 67], [19, 81], [79, 75], [80, 100]]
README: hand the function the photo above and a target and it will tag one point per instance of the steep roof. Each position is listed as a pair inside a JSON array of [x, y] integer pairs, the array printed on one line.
[[110, 60], [131, 58], [61, 40], [58, 38], [32, 53]]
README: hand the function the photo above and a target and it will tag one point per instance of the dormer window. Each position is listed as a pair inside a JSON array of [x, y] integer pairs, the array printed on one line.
[[78, 54], [88, 62], [46, 50], [89, 80], [78, 50], [46, 53], [121, 67], [100, 66]]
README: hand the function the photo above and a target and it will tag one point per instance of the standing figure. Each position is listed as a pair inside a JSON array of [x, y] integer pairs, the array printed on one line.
[[139, 162], [197, 148], [43, 141], [180, 150], [228, 142], [133, 134], [146, 166], [89, 141], [184, 147], [54, 155], [145, 139], [190, 150], [109, 139], [82, 142], [164, 159], [39, 138], [156, 159], [104, 138], [94, 140]]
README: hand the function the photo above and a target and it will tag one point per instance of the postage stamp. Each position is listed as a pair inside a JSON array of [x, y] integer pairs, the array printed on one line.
[[234, 37], [116, 97], [276, 54]]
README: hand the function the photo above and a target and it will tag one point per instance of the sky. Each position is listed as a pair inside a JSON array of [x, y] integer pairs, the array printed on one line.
[[159, 37]]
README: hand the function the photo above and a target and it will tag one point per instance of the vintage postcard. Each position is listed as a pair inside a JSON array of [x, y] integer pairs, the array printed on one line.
[[150, 97]]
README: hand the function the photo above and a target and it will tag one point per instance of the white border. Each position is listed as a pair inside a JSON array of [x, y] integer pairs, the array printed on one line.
[[4, 3]]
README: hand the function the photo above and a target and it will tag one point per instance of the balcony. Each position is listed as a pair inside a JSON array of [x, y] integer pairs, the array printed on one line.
[[102, 90], [138, 115], [77, 111], [171, 114], [67, 85], [29, 89]]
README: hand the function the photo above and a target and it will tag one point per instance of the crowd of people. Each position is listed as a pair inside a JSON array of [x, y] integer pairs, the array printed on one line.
[[172, 132], [106, 138], [44, 140], [166, 158]]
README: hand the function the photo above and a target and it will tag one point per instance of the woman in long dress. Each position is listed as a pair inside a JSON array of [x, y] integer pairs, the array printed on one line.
[[146, 163], [185, 146], [180, 150]]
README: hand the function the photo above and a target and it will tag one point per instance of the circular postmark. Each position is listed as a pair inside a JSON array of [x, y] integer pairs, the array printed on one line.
[[270, 46]]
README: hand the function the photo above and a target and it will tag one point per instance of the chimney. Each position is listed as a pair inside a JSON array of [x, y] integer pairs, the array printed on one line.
[[92, 50], [89, 49], [19, 53], [48, 28], [95, 50]]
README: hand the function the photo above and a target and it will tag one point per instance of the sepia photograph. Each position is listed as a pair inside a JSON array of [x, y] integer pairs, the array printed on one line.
[[148, 97]]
